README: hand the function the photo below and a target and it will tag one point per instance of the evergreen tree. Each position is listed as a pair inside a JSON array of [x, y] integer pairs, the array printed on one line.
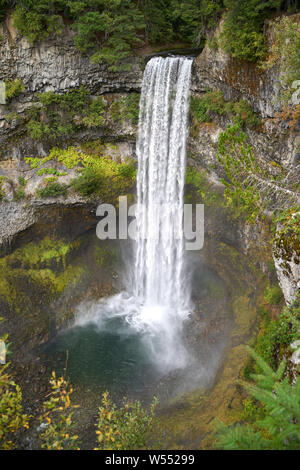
[[243, 28], [280, 427], [158, 24], [113, 29]]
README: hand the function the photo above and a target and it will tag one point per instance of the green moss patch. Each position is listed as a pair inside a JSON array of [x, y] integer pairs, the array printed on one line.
[[37, 267]]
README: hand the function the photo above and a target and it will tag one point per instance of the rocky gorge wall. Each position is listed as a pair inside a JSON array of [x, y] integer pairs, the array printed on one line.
[[55, 65], [274, 142]]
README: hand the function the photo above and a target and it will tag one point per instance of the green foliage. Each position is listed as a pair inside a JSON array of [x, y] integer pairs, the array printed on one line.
[[12, 418], [100, 174], [57, 116], [279, 428], [111, 31], [242, 34], [62, 115], [69, 157], [158, 24], [276, 335], [240, 169], [191, 19], [42, 266], [36, 19], [249, 188], [126, 108], [252, 410], [273, 295], [44, 253], [105, 256], [213, 44], [212, 102], [57, 416], [20, 193], [2, 194], [13, 88], [289, 220], [125, 428], [50, 171], [4, 4], [94, 114], [53, 189], [285, 52], [105, 177], [198, 184], [241, 112]]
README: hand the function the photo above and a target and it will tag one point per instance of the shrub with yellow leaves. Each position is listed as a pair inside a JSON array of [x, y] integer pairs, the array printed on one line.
[[124, 428], [12, 417], [57, 417]]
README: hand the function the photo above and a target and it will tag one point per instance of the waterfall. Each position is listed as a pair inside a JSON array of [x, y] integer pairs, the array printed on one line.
[[159, 279], [161, 151], [157, 301]]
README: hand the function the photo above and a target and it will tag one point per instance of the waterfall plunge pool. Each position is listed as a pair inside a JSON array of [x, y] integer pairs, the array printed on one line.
[[107, 353]]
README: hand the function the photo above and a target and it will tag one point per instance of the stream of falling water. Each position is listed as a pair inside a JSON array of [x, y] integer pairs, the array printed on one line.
[[158, 300]]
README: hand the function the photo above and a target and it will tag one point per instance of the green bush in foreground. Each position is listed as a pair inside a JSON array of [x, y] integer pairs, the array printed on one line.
[[12, 418], [57, 417], [279, 428], [124, 428]]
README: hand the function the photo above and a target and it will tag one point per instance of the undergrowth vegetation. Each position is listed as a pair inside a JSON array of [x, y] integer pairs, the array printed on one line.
[[271, 412], [275, 410], [126, 108], [58, 116], [248, 187], [98, 174], [2, 194], [205, 107], [127, 427], [43, 266], [13, 88], [285, 53], [12, 417], [124, 428]]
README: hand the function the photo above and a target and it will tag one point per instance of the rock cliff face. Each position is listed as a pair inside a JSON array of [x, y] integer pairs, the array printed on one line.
[[55, 65], [275, 142]]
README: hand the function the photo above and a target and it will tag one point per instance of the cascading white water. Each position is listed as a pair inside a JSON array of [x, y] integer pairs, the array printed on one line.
[[158, 301], [159, 285], [161, 151]]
